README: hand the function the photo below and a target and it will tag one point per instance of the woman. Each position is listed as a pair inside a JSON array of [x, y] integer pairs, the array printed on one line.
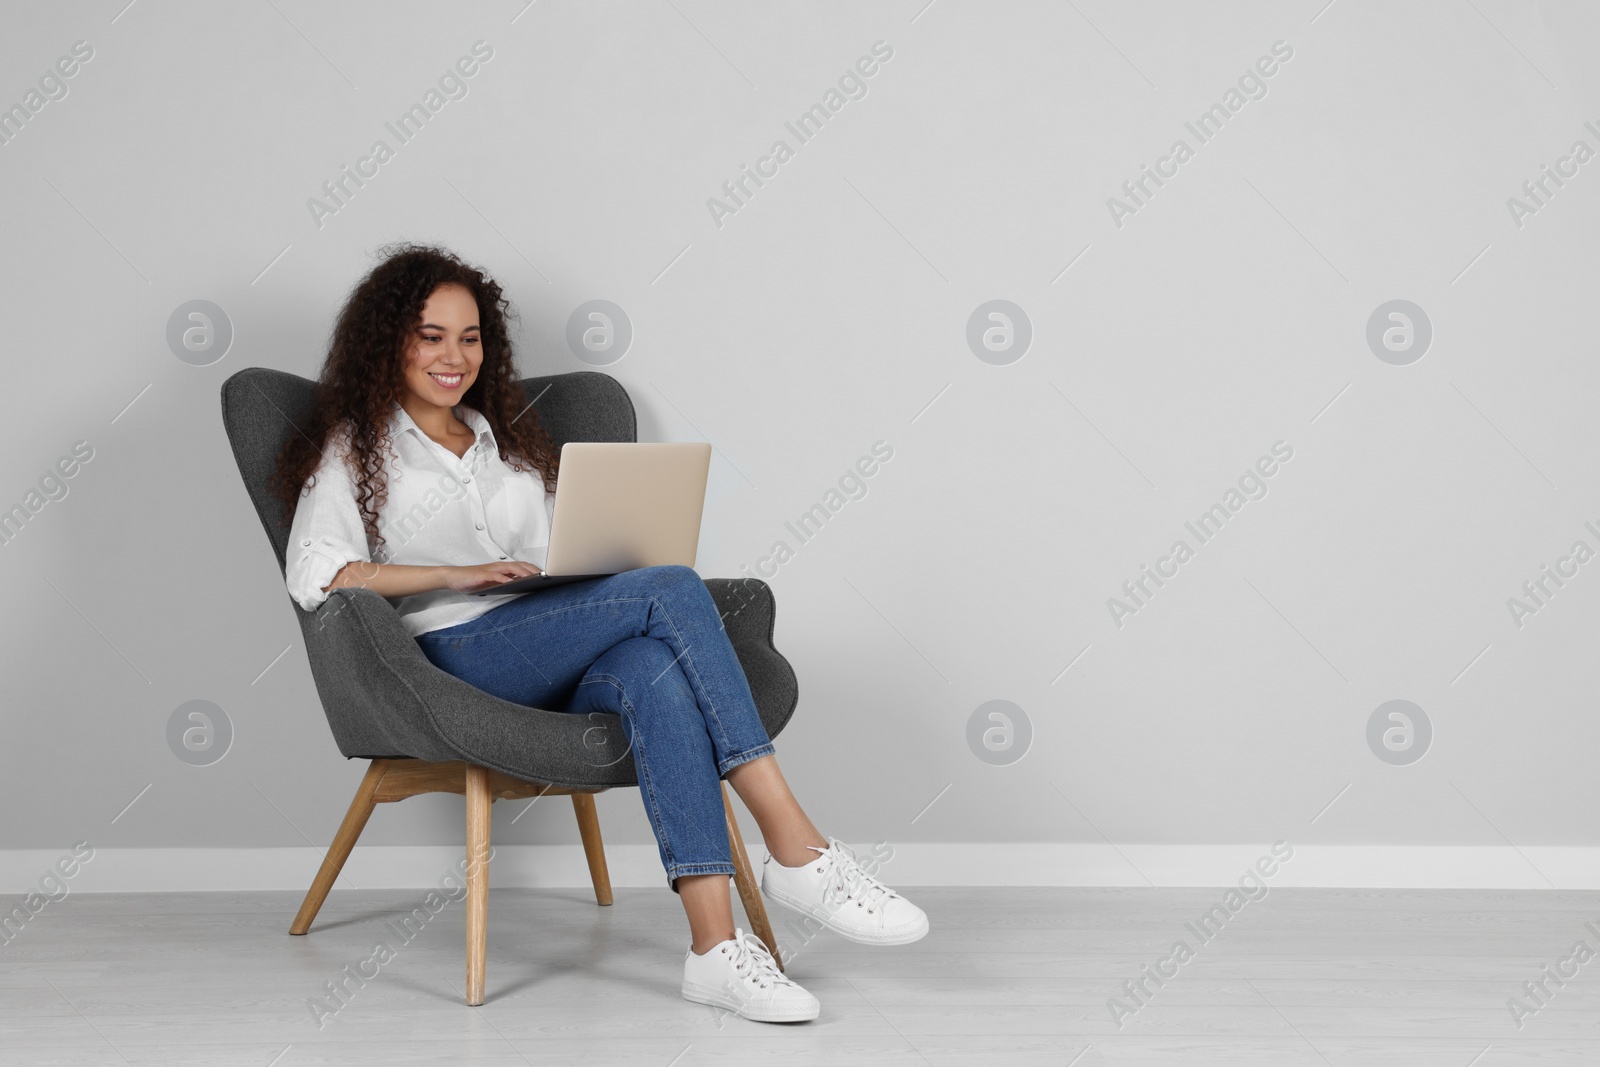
[[419, 394]]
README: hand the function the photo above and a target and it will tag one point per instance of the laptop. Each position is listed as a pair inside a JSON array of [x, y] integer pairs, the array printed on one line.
[[620, 506]]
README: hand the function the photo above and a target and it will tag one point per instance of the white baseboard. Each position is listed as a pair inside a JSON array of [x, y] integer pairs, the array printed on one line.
[[151, 870]]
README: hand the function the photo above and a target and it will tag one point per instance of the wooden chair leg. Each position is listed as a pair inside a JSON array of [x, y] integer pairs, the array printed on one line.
[[593, 849], [749, 891], [478, 820], [355, 820]]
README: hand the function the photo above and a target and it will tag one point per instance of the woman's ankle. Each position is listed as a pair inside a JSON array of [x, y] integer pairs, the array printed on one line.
[[700, 948], [799, 852]]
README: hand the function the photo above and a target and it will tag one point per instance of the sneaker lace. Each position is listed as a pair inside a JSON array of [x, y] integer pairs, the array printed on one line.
[[848, 880], [753, 963]]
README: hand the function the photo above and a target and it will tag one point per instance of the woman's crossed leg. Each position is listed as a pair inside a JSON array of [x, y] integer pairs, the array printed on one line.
[[648, 645]]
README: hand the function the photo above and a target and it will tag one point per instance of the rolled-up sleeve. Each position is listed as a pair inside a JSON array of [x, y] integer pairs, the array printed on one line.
[[326, 532]]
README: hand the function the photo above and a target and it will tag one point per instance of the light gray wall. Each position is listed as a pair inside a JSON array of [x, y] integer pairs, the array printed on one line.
[[1171, 348]]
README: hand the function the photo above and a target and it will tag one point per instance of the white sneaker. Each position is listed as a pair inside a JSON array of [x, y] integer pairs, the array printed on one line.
[[836, 891], [742, 976]]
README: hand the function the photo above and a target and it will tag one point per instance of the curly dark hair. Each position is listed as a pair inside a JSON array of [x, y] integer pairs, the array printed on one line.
[[363, 379]]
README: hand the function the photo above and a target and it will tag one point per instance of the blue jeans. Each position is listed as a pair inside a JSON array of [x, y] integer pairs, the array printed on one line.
[[647, 645]]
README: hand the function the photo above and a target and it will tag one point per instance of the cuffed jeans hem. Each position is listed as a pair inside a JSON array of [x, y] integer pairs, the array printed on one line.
[[745, 757], [683, 870]]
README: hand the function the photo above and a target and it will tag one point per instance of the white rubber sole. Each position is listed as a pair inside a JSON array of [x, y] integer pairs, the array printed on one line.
[[825, 917], [716, 998]]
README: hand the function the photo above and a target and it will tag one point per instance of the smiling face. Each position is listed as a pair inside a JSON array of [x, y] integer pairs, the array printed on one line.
[[445, 350]]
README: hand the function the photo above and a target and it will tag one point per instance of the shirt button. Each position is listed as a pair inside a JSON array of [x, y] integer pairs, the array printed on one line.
[[305, 544], [466, 479], [480, 525], [502, 557]]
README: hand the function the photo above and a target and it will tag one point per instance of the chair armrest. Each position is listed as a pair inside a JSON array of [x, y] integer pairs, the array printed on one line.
[[749, 614], [372, 678], [384, 698]]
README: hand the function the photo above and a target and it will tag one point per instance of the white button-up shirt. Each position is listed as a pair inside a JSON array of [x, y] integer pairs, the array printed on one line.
[[441, 510]]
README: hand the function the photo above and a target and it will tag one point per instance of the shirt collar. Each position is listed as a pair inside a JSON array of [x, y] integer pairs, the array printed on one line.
[[400, 420]]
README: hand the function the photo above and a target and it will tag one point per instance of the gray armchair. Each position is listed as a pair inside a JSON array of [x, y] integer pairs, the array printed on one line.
[[425, 730]]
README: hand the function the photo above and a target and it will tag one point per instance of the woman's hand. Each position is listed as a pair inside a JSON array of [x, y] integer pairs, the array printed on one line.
[[485, 575]]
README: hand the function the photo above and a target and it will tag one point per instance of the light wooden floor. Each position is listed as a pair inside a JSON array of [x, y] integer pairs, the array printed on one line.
[[1020, 976]]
